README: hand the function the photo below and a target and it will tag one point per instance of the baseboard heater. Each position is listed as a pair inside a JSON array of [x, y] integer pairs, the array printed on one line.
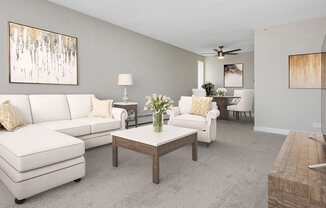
[[147, 119]]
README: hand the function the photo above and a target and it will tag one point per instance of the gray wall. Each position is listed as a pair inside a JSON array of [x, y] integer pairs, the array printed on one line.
[[276, 106], [105, 50], [214, 70]]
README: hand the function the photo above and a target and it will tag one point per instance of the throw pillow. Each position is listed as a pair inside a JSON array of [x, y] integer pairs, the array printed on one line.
[[101, 108], [200, 105], [9, 118]]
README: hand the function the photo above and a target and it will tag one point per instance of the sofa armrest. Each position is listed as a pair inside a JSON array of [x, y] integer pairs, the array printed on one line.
[[175, 111], [120, 113], [212, 114]]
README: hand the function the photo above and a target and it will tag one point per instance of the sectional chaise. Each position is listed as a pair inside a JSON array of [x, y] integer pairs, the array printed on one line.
[[49, 151]]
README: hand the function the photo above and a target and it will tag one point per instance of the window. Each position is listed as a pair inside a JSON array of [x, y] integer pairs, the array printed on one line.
[[200, 74]]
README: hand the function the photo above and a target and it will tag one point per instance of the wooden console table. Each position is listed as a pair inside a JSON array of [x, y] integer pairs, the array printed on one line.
[[290, 182], [131, 108]]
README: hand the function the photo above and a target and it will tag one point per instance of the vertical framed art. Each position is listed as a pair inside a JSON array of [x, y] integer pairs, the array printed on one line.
[[38, 56], [233, 75]]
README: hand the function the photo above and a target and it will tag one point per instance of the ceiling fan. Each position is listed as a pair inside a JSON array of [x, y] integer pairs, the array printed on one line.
[[220, 53]]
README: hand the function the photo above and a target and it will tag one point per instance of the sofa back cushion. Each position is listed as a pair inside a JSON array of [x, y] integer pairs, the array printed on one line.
[[185, 104], [79, 105], [49, 108], [21, 105]]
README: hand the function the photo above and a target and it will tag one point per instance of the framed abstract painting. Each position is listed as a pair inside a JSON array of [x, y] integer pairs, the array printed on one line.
[[305, 71], [233, 75], [39, 56]]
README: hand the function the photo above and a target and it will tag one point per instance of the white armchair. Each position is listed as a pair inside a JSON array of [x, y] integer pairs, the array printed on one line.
[[206, 126]]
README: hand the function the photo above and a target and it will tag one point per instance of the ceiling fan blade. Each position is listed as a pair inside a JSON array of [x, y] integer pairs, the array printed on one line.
[[216, 50], [231, 54], [232, 51], [208, 53]]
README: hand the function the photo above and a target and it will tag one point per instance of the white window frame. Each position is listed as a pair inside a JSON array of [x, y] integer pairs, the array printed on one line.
[[200, 74]]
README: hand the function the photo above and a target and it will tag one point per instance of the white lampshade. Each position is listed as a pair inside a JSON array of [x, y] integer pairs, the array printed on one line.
[[125, 79]]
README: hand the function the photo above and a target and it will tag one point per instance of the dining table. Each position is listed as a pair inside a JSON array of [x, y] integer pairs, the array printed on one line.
[[222, 104]]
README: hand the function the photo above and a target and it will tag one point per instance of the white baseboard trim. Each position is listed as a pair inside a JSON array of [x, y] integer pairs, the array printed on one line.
[[271, 130]]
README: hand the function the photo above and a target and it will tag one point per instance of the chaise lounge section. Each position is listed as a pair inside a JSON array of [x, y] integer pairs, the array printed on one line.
[[48, 152]]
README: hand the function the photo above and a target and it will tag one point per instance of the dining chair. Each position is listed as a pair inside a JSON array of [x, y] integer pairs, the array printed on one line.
[[199, 92], [234, 101], [245, 103], [236, 93]]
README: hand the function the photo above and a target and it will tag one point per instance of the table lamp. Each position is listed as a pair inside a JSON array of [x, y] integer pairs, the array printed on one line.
[[125, 80]]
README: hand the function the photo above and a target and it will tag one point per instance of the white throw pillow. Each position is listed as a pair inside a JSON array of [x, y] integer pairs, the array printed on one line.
[[101, 108]]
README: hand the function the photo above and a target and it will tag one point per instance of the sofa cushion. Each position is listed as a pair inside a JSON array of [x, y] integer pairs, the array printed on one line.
[[100, 124], [49, 108], [19, 177], [97, 135], [185, 104], [68, 127], [34, 146], [190, 121], [21, 105], [79, 105]]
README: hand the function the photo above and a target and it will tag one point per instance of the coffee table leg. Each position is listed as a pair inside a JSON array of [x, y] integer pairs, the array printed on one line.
[[194, 151], [156, 168], [114, 153]]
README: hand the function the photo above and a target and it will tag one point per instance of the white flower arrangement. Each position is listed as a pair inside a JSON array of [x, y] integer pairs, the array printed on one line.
[[221, 91], [158, 103]]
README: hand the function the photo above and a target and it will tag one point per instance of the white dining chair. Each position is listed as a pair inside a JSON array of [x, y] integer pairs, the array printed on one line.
[[199, 92], [236, 93], [245, 103], [234, 101]]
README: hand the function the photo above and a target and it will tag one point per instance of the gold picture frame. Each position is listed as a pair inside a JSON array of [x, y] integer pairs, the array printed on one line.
[[305, 71], [39, 56]]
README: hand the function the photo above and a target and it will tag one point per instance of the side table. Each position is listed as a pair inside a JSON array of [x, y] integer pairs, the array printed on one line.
[[131, 108]]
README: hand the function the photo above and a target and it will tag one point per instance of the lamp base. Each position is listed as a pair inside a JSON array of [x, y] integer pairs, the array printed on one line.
[[125, 95], [125, 99]]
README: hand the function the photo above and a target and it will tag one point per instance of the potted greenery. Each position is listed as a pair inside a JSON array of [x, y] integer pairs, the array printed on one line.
[[209, 87]]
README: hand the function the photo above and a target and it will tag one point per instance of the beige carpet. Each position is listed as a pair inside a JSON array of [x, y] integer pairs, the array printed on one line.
[[231, 173]]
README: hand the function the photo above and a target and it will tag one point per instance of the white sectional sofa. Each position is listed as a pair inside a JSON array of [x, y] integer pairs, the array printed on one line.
[[48, 152]]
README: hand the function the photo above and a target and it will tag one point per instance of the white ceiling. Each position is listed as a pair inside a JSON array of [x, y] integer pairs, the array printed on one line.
[[199, 25]]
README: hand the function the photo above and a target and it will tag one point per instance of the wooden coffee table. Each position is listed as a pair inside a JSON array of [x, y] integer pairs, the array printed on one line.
[[145, 140]]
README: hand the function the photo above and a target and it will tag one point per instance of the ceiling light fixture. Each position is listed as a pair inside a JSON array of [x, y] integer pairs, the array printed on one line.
[[220, 55]]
